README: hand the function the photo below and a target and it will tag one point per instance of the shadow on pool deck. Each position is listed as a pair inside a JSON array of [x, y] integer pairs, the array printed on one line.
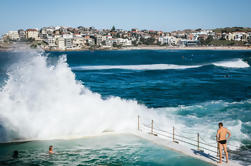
[[201, 153]]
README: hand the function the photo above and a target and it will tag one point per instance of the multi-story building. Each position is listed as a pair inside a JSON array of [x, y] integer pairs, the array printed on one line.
[[108, 43], [123, 42], [68, 43], [67, 35], [163, 40], [13, 35], [21, 34], [173, 40], [51, 41], [78, 42], [32, 34], [1, 40], [189, 43], [237, 36], [98, 40], [249, 37], [90, 41], [60, 43]]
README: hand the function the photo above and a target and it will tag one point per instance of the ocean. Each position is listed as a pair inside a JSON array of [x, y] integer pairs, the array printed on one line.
[[53, 95]]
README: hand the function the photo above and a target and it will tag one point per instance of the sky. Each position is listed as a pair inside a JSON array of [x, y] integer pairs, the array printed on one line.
[[165, 15]]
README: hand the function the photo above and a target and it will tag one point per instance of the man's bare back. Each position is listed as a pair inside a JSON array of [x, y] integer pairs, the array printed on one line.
[[222, 134]]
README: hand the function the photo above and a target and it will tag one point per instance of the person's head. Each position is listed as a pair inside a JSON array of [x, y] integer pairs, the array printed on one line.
[[15, 154], [50, 148], [220, 124]]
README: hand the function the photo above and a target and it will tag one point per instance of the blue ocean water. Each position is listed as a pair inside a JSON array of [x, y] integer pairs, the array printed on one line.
[[195, 88], [164, 88]]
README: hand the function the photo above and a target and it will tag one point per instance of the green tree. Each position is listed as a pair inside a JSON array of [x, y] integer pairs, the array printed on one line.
[[209, 39], [113, 28], [135, 43], [103, 42], [148, 41], [249, 39], [117, 45]]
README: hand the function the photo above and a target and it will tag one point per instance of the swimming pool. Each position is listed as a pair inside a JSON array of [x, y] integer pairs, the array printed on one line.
[[121, 149]]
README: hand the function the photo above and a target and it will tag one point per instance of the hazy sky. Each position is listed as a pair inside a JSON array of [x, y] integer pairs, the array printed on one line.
[[166, 15]]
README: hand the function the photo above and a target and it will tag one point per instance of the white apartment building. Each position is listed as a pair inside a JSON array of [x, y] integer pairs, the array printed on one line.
[[123, 42], [13, 35], [78, 42], [68, 42], [68, 39], [32, 33], [67, 35], [57, 36], [90, 41], [173, 40], [60, 43], [237, 36], [51, 41], [98, 39], [163, 40], [108, 42]]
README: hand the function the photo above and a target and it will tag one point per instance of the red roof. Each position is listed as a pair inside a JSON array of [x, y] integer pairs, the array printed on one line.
[[31, 30]]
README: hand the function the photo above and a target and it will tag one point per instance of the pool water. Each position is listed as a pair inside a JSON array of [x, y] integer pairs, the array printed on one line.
[[121, 149]]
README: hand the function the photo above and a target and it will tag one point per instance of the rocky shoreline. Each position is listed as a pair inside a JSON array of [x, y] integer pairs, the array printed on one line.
[[145, 47], [162, 48]]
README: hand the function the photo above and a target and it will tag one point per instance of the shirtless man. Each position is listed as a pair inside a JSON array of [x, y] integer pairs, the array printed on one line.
[[222, 138]]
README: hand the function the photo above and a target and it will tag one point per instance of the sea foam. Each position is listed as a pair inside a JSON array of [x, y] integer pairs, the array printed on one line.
[[234, 63], [136, 67], [39, 101]]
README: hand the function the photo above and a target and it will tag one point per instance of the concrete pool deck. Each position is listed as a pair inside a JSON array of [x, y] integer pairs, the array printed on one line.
[[192, 152]]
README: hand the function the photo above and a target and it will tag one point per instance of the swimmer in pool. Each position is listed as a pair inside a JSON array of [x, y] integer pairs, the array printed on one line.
[[51, 149]]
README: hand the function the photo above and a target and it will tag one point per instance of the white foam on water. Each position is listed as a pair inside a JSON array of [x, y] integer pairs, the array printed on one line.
[[236, 63], [43, 102], [136, 67], [192, 123]]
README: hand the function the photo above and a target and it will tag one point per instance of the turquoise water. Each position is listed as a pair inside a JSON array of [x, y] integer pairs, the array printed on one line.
[[48, 95], [101, 150]]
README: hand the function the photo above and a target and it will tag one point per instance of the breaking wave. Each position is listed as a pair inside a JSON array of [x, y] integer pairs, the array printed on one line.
[[136, 67], [41, 101], [235, 63]]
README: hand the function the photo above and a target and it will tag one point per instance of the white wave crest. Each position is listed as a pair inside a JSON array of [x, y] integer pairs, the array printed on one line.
[[136, 67], [45, 102], [236, 63], [230, 64]]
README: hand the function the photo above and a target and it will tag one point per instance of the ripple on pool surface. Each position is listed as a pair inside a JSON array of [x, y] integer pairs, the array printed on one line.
[[102, 150]]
